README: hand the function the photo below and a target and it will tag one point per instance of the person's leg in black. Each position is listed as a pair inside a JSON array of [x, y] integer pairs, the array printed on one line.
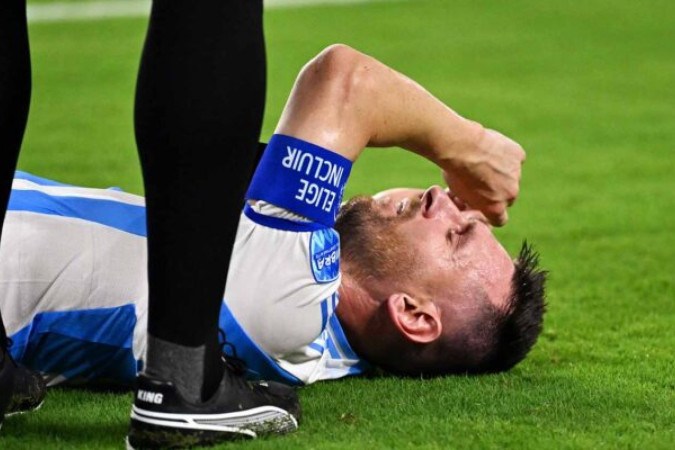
[[199, 108], [20, 389]]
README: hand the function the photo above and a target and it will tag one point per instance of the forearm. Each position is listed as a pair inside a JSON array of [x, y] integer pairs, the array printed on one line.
[[345, 101]]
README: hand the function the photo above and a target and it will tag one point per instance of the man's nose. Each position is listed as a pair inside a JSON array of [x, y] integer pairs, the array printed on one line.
[[442, 207]]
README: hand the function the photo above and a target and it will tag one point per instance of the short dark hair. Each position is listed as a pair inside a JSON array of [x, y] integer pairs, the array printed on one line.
[[515, 330], [496, 339]]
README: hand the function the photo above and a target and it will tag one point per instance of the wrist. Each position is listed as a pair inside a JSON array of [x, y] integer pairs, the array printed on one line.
[[454, 145]]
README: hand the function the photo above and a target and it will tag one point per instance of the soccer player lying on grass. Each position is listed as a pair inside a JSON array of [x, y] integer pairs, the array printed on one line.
[[415, 282]]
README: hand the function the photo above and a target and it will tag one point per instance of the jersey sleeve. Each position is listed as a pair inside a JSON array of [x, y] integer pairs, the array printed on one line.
[[282, 288], [283, 279]]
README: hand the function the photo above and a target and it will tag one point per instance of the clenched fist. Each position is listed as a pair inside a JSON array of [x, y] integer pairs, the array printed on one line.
[[484, 172]]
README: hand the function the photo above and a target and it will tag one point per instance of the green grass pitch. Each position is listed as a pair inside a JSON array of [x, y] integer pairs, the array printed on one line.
[[585, 87]]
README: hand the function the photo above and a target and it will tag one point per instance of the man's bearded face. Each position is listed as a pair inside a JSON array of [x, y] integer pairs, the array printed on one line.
[[370, 241], [424, 241]]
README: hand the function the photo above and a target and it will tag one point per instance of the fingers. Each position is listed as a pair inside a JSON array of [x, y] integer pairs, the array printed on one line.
[[461, 204], [476, 216], [497, 219], [494, 213], [513, 195], [488, 180]]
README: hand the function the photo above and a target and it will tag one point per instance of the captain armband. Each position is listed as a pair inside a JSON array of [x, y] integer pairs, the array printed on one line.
[[301, 177]]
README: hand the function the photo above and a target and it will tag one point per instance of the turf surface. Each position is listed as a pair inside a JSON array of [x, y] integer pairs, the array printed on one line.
[[585, 87]]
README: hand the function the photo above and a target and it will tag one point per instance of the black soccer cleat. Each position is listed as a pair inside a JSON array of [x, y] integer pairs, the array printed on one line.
[[29, 392], [240, 409], [21, 389], [7, 370]]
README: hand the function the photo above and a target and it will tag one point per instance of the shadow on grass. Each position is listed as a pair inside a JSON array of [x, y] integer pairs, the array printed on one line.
[[73, 417], [51, 432]]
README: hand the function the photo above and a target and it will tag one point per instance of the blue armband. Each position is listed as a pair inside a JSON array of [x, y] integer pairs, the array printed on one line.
[[302, 178]]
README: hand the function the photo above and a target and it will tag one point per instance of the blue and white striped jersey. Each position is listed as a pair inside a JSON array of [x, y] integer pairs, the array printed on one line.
[[73, 289]]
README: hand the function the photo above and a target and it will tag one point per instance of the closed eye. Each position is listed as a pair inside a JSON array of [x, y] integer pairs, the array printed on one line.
[[465, 235], [451, 237], [457, 239]]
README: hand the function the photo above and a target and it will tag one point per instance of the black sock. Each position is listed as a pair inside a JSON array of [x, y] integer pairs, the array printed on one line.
[[199, 108], [15, 85], [180, 364]]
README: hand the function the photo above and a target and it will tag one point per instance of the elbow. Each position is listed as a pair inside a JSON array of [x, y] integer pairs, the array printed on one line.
[[338, 71]]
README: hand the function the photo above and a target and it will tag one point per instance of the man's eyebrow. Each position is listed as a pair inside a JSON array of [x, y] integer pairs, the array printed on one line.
[[452, 238], [460, 239]]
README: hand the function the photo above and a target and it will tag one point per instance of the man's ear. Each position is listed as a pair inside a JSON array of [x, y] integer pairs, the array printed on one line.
[[418, 320]]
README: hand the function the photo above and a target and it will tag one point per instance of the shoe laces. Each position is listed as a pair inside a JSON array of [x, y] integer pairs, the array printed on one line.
[[229, 355]]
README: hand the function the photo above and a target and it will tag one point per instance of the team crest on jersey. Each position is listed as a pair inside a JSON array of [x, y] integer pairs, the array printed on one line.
[[325, 254]]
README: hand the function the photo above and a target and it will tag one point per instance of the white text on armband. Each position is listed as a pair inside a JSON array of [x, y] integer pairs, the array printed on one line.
[[318, 168], [315, 195], [307, 163]]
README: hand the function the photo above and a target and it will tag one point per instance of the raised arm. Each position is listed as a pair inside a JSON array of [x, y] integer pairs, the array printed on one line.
[[345, 101]]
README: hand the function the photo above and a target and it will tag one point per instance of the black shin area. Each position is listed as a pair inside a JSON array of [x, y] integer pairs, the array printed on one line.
[[15, 84], [199, 108]]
